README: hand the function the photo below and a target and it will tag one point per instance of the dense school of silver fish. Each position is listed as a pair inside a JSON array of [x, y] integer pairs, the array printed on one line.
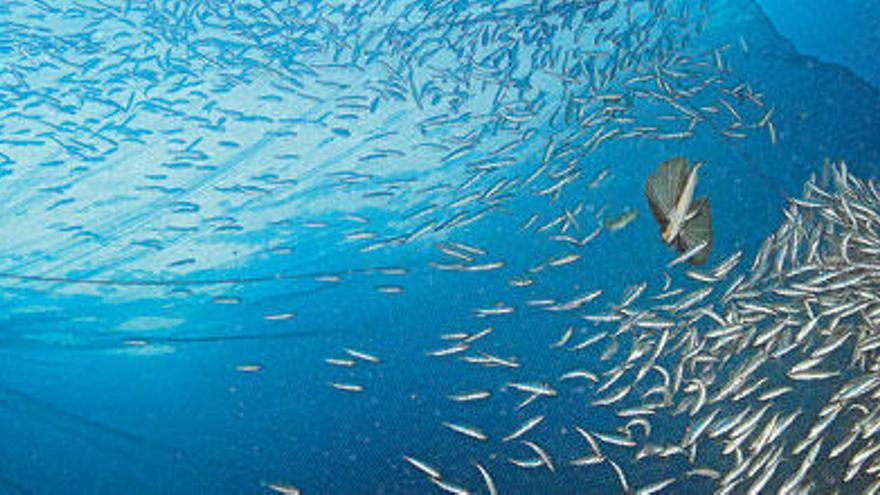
[[713, 372], [704, 371]]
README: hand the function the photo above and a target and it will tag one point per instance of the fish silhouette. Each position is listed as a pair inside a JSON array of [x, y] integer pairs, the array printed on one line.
[[685, 222]]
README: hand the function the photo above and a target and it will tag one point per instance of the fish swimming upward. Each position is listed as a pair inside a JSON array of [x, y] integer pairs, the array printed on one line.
[[685, 222]]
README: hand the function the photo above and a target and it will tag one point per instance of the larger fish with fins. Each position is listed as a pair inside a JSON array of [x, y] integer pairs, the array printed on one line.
[[685, 222]]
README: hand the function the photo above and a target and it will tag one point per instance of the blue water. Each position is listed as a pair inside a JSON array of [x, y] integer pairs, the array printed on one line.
[[160, 158], [840, 32]]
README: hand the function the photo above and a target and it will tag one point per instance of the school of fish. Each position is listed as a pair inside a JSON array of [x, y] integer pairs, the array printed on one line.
[[258, 130]]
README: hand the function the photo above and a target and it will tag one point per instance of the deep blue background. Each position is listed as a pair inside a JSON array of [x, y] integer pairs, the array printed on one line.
[[839, 31]]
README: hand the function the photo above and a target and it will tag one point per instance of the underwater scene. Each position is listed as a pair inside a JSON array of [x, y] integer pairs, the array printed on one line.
[[448, 246]]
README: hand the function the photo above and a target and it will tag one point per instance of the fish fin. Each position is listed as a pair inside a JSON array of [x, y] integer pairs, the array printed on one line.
[[664, 186], [697, 230]]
